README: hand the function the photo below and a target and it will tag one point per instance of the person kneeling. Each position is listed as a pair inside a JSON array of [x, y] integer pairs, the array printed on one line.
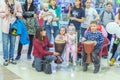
[[40, 44]]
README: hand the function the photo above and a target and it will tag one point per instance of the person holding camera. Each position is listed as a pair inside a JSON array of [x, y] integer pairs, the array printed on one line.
[[9, 11]]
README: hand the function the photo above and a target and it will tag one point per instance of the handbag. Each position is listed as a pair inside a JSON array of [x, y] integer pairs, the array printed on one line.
[[58, 60], [47, 68], [13, 29]]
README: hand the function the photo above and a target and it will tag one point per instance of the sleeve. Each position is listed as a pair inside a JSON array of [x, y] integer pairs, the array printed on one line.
[[25, 14], [2, 11], [39, 48], [86, 36], [83, 13], [101, 39], [59, 12], [95, 12], [19, 10]]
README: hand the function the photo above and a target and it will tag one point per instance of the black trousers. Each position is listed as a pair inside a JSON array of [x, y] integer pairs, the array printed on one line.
[[30, 46], [95, 57]]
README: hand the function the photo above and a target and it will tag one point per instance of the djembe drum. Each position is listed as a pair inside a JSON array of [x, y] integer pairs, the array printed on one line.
[[59, 47], [88, 47]]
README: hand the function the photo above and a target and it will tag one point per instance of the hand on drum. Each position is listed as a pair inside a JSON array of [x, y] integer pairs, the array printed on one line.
[[83, 39], [95, 42], [56, 53]]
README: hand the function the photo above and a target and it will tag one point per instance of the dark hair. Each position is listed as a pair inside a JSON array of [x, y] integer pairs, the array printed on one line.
[[109, 3], [80, 5], [38, 34], [93, 22], [32, 7], [64, 28], [119, 14]]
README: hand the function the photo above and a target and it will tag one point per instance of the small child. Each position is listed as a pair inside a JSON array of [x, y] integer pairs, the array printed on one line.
[[47, 15], [71, 44], [61, 34], [98, 39]]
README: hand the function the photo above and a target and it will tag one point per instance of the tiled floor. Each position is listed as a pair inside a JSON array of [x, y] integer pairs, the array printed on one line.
[[24, 71]]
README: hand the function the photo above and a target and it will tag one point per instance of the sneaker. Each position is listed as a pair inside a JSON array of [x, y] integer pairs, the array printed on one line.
[[12, 61], [29, 57], [74, 63], [17, 57], [67, 64], [6, 63], [85, 67], [96, 70]]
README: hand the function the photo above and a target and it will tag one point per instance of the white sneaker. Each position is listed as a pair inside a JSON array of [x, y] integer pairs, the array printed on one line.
[[67, 64], [74, 63]]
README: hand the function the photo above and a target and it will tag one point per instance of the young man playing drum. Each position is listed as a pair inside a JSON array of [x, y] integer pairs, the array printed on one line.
[[97, 39]]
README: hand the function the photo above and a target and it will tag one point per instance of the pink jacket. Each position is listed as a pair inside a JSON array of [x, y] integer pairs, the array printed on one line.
[[5, 20]]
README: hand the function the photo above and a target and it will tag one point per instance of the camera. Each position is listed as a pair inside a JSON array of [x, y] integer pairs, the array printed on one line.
[[11, 8]]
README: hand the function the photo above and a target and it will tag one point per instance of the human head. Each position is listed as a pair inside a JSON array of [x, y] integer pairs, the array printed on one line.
[[29, 1], [71, 29], [53, 2], [40, 33], [45, 6], [109, 6], [119, 14], [87, 3], [78, 3], [93, 26], [62, 30]]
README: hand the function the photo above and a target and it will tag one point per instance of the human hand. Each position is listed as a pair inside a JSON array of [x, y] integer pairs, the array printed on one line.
[[72, 18], [35, 16], [83, 39], [7, 12], [55, 53]]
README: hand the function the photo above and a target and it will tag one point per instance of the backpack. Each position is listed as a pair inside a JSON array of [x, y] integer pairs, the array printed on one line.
[[112, 16]]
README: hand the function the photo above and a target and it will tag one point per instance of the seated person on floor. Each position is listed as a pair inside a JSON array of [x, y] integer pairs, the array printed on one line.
[[40, 44], [98, 39]]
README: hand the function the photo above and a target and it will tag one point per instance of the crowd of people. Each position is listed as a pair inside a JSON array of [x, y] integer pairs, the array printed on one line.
[[80, 19]]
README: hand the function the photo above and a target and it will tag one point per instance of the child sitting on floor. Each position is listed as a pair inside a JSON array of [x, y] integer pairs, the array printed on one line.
[[98, 39]]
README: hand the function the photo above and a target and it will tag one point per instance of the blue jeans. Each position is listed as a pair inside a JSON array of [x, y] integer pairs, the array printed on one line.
[[49, 28], [83, 31], [8, 45], [117, 52]]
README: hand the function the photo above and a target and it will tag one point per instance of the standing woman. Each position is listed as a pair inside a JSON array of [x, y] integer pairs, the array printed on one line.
[[9, 10], [31, 23], [77, 16], [55, 22]]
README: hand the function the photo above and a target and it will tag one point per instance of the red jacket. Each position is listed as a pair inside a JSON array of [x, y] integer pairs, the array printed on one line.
[[39, 49]]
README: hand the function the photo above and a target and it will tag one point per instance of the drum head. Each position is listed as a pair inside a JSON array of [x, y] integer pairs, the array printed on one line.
[[112, 27]]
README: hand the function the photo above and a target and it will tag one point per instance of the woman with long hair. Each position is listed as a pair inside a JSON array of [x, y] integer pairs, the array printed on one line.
[[40, 44], [30, 20], [76, 16], [9, 10]]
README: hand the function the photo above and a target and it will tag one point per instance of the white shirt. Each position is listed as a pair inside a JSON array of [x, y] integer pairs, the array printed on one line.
[[90, 15]]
